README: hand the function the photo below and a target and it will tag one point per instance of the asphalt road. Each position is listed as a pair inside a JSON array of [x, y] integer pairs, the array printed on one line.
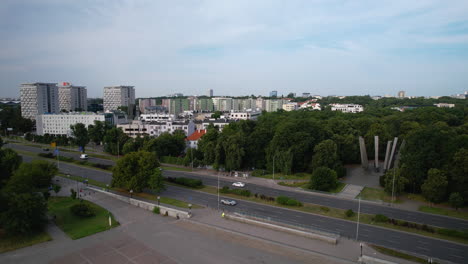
[[329, 201], [434, 248]]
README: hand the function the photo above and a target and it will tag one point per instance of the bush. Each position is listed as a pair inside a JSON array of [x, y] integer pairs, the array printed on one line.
[[46, 155], [73, 194], [284, 200], [453, 233], [225, 189], [382, 181], [240, 192], [380, 218], [324, 209], [349, 213], [102, 166], [82, 210], [257, 173], [192, 183], [156, 210]]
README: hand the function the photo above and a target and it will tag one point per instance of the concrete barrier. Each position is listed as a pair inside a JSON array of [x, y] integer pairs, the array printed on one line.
[[371, 260], [328, 239], [145, 205]]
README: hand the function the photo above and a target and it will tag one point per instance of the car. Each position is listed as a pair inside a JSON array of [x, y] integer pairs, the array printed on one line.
[[228, 202], [84, 156], [238, 184], [45, 149]]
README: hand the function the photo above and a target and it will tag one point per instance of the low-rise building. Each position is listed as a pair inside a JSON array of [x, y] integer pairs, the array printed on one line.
[[347, 108], [59, 124], [290, 106], [192, 140], [445, 105], [244, 115], [311, 104], [156, 128]]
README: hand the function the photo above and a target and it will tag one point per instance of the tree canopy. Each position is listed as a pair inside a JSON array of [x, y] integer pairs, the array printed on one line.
[[134, 170]]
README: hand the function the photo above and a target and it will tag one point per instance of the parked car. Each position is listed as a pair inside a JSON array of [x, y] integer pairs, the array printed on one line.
[[84, 156], [238, 184], [45, 149], [228, 202]]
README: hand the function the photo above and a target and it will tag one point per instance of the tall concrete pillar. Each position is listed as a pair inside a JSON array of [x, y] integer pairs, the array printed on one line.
[[376, 145], [398, 155], [362, 147], [390, 159], [387, 153]]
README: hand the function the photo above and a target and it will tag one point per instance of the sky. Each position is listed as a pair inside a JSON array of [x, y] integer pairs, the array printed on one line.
[[323, 47]]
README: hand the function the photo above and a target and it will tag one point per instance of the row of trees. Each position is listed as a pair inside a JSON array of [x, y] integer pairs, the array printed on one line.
[[24, 190]]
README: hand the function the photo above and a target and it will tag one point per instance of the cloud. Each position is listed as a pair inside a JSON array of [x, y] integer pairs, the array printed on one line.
[[236, 47]]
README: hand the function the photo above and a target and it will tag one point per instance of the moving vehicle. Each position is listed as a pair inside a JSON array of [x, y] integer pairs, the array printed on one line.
[[45, 149], [84, 156], [228, 202], [238, 184]]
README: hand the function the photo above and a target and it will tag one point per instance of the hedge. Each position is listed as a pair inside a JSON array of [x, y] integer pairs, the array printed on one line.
[[192, 183], [240, 192], [284, 200]]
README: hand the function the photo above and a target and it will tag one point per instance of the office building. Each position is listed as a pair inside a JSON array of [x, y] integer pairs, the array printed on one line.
[[274, 94], [210, 93], [59, 124], [72, 98], [38, 98], [146, 105], [401, 94], [115, 96]]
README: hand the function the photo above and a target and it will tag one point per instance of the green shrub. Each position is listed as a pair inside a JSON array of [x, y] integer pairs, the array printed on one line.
[[349, 213], [46, 155], [453, 233], [82, 210], [257, 173], [156, 210], [284, 200], [382, 181], [240, 192], [324, 209], [192, 183], [225, 189], [380, 218], [73, 194]]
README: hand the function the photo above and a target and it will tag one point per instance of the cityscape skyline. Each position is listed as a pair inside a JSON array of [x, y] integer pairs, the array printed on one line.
[[320, 47]]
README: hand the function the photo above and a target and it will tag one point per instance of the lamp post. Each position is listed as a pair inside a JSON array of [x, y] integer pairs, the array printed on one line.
[[107, 185], [393, 184], [131, 193], [218, 190], [158, 200], [274, 156], [359, 211], [190, 209]]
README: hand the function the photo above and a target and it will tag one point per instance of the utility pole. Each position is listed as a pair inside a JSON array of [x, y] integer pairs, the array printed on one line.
[[393, 184], [191, 152], [359, 211], [218, 190], [274, 166], [118, 148]]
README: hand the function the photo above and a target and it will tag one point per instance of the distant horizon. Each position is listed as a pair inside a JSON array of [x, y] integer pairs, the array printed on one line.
[[235, 47]]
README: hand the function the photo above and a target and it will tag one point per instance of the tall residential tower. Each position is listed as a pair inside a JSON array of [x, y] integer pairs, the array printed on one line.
[[72, 98], [115, 96], [38, 98]]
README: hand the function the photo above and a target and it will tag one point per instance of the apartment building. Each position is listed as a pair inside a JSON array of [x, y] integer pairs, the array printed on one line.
[[72, 98], [38, 98], [115, 96], [59, 124]]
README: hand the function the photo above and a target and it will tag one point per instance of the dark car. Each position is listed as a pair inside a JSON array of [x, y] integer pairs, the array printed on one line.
[[45, 149]]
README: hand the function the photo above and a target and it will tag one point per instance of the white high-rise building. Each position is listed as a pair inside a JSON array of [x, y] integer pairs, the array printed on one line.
[[59, 124], [115, 96], [72, 98], [38, 98]]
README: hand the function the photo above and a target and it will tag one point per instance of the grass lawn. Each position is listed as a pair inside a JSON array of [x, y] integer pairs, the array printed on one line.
[[444, 211], [8, 243], [163, 200], [373, 194], [338, 188], [81, 179], [175, 168], [77, 227], [294, 184], [394, 253]]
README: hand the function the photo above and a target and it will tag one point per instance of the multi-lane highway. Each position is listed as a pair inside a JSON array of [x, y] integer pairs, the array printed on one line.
[[307, 197], [435, 248]]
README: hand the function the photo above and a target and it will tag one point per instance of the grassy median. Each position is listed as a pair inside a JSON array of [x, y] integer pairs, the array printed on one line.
[[9, 243]]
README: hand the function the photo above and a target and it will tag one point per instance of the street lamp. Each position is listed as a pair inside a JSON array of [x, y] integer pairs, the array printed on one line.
[[158, 200], [190, 209], [107, 185], [131, 193]]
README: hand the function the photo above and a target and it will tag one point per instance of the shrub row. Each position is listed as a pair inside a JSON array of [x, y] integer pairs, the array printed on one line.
[[50, 155], [192, 183], [384, 219], [453, 233], [349, 213], [265, 197], [240, 192], [284, 200], [172, 160]]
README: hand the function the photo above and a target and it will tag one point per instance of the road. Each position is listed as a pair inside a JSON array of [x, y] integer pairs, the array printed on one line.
[[402, 241], [307, 197]]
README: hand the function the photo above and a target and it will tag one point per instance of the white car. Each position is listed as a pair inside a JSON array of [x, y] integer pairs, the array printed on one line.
[[228, 202], [238, 184], [84, 156]]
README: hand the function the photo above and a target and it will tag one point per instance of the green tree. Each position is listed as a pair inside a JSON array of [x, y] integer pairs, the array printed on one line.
[[156, 181], [456, 200], [394, 182], [459, 173], [323, 179], [9, 162], [97, 131], [133, 171], [32, 177], [57, 188], [434, 188], [114, 140], [325, 155], [80, 135], [26, 213], [216, 114], [167, 144]]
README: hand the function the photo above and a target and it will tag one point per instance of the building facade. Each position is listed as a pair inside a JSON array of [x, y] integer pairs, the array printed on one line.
[[290, 107], [347, 108], [244, 115], [155, 129], [115, 96], [401, 94], [38, 98], [59, 124], [72, 98], [274, 94]]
